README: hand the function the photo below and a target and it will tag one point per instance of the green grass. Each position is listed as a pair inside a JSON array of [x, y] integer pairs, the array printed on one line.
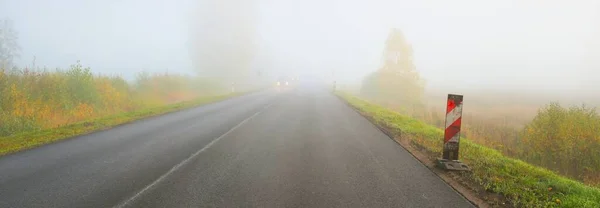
[[523, 184], [28, 140]]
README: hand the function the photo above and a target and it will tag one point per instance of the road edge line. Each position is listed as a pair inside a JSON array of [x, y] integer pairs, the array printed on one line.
[[185, 161]]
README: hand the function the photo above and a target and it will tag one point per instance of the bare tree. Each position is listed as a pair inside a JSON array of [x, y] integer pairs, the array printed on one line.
[[9, 47]]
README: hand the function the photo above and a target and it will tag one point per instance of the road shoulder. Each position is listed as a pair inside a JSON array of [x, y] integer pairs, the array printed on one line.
[[468, 189]]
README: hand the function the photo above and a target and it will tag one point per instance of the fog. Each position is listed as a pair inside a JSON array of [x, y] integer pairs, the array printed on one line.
[[547, 46]]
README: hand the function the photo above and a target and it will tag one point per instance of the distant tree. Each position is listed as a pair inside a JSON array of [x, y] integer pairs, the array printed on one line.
[[9, 47], [397, 80], [222, 41]]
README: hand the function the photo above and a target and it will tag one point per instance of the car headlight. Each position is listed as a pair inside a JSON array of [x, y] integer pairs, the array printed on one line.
[[278, 83], [286, 83]]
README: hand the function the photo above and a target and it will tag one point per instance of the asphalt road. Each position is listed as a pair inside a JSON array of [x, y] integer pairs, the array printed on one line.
[[299, 148]]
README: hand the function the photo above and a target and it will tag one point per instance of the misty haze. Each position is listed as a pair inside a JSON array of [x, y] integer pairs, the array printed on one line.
[[262, 103]]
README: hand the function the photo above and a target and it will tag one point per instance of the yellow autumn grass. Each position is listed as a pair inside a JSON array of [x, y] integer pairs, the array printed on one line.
[[54, 104]]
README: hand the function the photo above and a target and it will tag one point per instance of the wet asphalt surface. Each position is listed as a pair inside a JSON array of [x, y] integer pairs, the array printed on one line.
[[302, 147]]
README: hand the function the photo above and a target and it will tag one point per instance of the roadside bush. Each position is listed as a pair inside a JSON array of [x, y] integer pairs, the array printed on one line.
[[565, 140], [37, 99]]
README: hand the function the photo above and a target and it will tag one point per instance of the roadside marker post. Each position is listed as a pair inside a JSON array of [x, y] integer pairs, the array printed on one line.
[[449, 160]]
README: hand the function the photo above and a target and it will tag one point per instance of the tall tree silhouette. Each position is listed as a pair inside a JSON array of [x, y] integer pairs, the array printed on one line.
[[222, 38], [9, 47], [397, 80]]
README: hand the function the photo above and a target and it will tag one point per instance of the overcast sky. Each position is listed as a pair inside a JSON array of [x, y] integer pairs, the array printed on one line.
[[514, 44]]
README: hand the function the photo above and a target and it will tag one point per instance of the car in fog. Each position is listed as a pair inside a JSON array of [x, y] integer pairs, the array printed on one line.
[[283, 83]]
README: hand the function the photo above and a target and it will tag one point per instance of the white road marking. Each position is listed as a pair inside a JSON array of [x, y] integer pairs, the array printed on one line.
[[187, 160]]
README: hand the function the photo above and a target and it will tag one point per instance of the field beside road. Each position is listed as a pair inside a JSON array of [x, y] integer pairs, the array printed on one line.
[[40, 106], [28, 140]]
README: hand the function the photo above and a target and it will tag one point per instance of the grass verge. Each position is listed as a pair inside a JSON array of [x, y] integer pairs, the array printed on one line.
[[28, 140], [522, 184]]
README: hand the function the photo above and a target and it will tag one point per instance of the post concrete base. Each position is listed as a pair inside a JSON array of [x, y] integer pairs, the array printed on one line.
[[452, 165]]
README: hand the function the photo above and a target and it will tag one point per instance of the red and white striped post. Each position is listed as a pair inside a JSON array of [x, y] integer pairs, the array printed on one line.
[[454, 109], [453, 121]]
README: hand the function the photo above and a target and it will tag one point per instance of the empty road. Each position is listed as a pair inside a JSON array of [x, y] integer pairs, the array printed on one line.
[[299, 148]]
